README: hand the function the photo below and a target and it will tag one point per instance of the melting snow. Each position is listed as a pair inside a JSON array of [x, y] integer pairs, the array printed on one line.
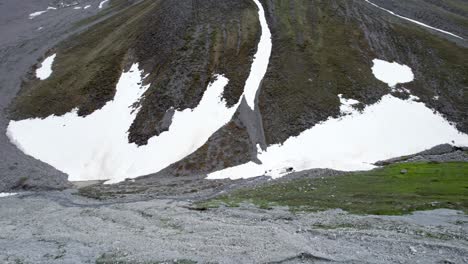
[[260, 62], [45, 70], [414, 97], [414, 21], [387, 129], [101, 5], [392, 73], [96, 147], [7, 194], [347, 104]]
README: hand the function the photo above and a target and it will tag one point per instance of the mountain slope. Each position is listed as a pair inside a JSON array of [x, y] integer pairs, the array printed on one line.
[[323, 53], [181, 44], [325, 48]]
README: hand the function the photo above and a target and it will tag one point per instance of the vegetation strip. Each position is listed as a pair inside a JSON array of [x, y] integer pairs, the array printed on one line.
[[395, 189]]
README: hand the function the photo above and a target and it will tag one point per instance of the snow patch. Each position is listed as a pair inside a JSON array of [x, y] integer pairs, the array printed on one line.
[[35, 14], [346, 106], [414, 97], [45, 70], [390, 128], [96, 147], [414, 21], [2, 195], [392, 73], [261, 60], [38, 13], [87, 6], [77, 7], [101, 5]]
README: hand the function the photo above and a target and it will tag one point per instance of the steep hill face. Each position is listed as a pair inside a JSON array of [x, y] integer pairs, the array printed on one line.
[[321, 49], [325, 48]]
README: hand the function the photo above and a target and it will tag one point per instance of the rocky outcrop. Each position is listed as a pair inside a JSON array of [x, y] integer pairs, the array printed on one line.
[[441, 153]]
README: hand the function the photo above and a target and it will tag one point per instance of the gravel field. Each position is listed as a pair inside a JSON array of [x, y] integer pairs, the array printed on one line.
[[60, 227]]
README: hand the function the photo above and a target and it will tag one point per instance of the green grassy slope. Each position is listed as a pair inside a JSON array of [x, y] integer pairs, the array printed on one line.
[[381, 191]]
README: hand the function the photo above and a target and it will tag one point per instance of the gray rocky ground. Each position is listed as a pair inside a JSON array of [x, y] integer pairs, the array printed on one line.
[[441, 153], [146, 222], [60, 227]]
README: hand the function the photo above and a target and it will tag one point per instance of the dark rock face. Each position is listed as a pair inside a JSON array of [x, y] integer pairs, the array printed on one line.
[[190, 42]]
